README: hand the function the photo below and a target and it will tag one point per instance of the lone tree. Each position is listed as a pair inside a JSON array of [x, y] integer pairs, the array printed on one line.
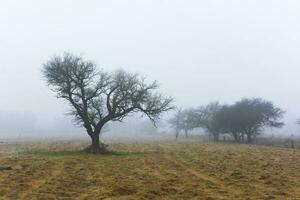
[[97, 97]]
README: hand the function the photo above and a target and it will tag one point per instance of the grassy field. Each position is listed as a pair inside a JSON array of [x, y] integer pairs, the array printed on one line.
[[148, 170]]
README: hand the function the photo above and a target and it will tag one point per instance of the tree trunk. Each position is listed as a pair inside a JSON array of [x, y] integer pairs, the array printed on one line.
[[186, 133], [216, 137], [254, 136], [249, 139], [292, 144], [243, 138], [236, 137], [96, 147]]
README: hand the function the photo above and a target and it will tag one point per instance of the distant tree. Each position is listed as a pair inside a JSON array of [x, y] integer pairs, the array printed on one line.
[[205, 117], [181, 122], [228, 121], [248, 117], [97, 97], [298, 121], [176, 122], [187, 124]]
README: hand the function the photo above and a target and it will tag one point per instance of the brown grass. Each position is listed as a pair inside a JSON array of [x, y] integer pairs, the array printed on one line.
[[149, 170]]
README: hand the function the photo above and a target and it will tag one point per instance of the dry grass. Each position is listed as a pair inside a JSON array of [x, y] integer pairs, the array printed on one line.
[[149, 170]]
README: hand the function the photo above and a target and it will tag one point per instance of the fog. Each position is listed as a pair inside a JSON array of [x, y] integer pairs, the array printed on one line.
[[199, 51]]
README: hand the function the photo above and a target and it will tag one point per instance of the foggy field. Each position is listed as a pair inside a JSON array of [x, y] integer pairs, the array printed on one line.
[[148, 170], [150, 100]]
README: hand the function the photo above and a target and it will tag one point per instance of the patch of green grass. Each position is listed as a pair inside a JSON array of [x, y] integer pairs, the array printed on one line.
[[45, 153], [66, 153], [126, 154]]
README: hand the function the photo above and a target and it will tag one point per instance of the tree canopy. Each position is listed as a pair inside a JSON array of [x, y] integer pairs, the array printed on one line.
[[249, 117]]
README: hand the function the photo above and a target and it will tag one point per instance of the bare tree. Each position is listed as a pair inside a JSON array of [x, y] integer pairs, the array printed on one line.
[[176, 122], [205, 117], [181, 121], [187, 124], [97, 97]]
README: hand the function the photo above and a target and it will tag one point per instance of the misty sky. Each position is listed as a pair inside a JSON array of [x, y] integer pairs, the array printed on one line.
[[199, 51]]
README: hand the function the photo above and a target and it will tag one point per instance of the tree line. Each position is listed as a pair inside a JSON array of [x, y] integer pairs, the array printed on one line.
[[244, 120]]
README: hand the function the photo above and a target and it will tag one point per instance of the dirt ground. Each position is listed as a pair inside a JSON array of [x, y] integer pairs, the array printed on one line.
[[148, 170]]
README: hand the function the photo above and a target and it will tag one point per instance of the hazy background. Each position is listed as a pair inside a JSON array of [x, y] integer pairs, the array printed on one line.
[[200, 51]]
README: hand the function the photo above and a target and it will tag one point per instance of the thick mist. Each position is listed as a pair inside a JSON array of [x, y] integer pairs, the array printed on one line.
[[199, 51]]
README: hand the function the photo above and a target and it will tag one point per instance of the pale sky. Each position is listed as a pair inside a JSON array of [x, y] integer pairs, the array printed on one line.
[[199, 51]]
